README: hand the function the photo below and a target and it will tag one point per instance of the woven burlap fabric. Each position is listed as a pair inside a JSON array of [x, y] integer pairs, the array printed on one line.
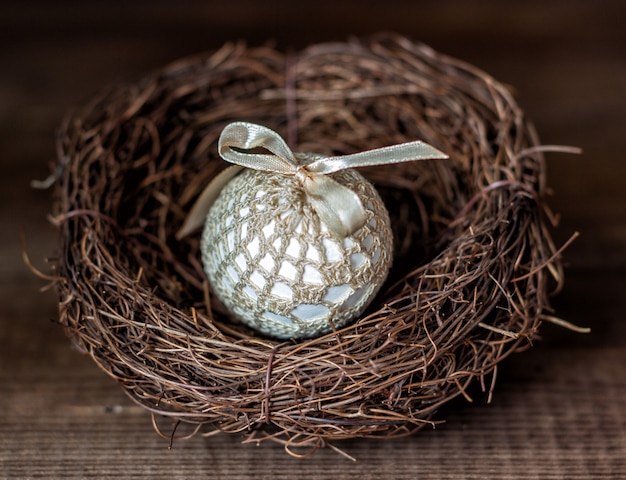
[[278, 268]]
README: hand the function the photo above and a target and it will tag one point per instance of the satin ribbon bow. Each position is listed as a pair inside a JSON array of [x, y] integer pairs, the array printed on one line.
[[336, 205]]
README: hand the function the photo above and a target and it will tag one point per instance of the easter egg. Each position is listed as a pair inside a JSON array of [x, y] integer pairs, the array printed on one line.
[[278, 268]]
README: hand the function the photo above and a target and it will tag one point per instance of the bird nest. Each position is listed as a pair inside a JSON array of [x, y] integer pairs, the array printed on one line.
[[473, 254]]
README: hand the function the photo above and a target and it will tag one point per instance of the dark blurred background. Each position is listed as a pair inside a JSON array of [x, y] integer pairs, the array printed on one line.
[[566, 62]]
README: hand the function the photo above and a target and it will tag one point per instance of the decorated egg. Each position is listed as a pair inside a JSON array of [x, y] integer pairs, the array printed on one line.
[[278, 267], [295, 245]]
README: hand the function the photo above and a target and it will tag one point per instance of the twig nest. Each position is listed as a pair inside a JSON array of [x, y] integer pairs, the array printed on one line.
[[276, 265], [473, 257]]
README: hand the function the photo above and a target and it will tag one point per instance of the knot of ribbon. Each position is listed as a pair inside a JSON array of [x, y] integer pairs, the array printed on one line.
[[336, 205]]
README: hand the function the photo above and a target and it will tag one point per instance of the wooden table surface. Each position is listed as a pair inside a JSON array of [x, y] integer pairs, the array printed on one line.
[[559, 409]]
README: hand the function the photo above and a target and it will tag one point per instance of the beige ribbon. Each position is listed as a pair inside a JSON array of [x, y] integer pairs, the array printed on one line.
[[336, 205]]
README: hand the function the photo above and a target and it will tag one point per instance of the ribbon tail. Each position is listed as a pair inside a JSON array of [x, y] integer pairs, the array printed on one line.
[[201, 208], [338, 207], [404, 152]]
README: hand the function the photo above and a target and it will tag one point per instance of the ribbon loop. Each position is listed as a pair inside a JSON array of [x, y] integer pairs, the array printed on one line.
[[248, 136], [336, 205]]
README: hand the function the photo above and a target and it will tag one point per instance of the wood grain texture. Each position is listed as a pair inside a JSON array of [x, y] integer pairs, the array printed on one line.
[[559, 409]]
